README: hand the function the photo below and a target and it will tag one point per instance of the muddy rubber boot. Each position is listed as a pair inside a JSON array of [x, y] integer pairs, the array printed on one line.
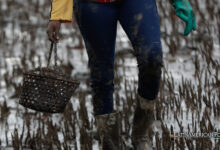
[[143, 119], [108, 131]]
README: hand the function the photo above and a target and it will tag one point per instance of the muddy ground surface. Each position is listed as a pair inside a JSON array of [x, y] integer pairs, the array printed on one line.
[[189, 98]]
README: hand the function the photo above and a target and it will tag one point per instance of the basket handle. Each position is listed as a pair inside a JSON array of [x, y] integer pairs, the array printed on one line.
[[53, 47]]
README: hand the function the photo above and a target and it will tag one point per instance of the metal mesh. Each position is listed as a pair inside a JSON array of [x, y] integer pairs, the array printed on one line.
[[47, 90]]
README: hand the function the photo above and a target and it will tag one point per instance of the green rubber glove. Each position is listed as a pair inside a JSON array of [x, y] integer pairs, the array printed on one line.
[[184, 11]]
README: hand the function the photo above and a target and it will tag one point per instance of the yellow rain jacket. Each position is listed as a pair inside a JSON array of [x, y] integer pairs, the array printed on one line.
[[61, 10]]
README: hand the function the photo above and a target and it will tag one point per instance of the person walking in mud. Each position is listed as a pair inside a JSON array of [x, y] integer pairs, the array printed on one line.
[[97, 21]]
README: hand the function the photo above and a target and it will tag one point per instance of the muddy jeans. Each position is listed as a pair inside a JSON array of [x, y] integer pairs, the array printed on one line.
[[98, 25]]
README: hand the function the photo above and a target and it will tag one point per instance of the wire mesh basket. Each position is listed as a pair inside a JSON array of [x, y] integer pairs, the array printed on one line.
[[47, 89]]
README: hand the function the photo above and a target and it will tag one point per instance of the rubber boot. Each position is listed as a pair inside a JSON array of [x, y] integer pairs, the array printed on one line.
[[143, 119], [108, 131]]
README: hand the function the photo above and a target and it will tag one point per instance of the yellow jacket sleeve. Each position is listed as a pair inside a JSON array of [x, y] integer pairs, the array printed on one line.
[[61, 10]]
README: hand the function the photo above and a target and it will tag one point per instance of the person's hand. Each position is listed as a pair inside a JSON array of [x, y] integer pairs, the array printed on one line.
[[53, 30], [184, 11]]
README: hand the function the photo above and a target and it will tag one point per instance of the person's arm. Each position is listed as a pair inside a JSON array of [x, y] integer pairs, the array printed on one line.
[[185, 12], [61, 11]]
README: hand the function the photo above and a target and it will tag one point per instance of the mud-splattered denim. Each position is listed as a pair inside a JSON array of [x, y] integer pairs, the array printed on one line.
[[98, 24]]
